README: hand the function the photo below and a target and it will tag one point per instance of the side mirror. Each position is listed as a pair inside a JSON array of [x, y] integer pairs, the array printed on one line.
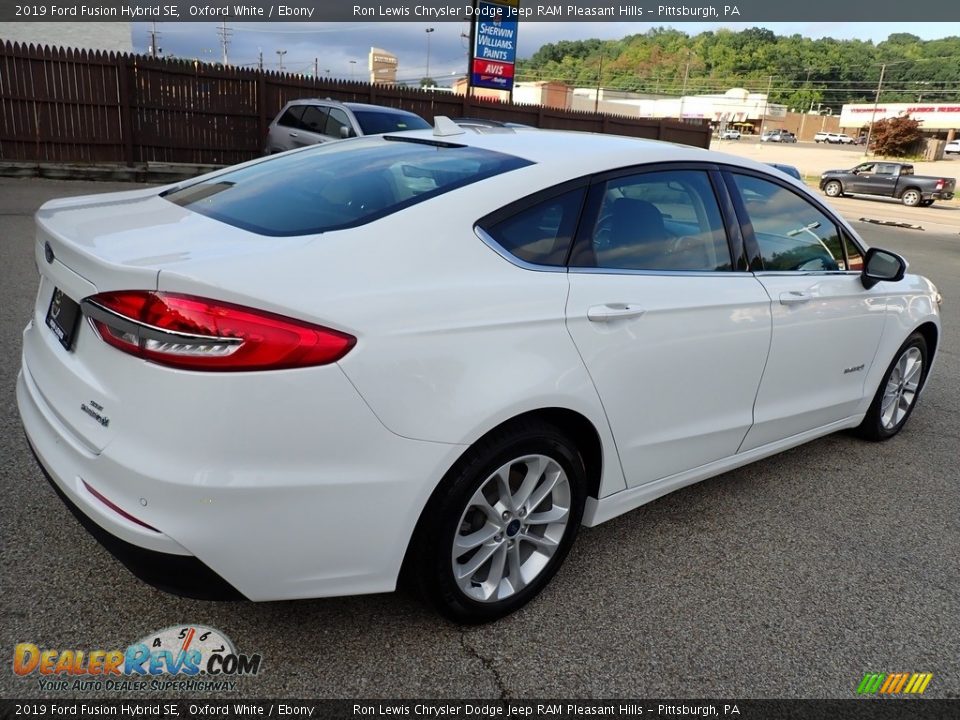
[[345, 132], [881, 266]]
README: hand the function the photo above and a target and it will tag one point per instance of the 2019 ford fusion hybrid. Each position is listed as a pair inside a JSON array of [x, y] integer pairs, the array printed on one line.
[[437, 353]]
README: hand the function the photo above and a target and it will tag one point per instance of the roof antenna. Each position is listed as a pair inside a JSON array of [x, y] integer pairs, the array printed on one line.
[[444, 126]]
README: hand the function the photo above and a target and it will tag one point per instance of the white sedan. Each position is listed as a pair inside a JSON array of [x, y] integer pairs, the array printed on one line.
[[440, 352]]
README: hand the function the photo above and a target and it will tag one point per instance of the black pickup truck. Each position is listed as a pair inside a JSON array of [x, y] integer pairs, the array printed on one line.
[[888, 179]]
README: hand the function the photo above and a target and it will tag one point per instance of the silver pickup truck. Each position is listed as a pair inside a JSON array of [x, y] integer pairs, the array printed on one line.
[[888, 179]]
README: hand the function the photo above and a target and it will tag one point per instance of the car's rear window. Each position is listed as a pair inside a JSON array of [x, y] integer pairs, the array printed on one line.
[[339, 185], [374, 122]]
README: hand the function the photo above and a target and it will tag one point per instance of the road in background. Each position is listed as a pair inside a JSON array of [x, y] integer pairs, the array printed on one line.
[[791, 577]]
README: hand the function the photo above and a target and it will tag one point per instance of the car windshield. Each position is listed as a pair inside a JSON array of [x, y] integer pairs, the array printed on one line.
[[339, 185], [377, 122]]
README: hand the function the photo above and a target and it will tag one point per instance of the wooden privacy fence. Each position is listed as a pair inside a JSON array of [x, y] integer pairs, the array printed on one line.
[[62, 105]]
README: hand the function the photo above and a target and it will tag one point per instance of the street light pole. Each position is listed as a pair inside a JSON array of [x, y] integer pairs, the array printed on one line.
[[280, 54], [428, 31], [353, 66]]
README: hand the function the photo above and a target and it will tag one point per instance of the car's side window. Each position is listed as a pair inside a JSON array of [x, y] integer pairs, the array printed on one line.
[[291, 118], [668, 220], [335, 120], [792, 233], [314, 119], [541, 234]]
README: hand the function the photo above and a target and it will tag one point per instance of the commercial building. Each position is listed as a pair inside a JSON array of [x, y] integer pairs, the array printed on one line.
[[937, 120]]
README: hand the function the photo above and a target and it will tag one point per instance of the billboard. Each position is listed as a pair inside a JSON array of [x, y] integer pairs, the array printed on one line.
[[494, 44]]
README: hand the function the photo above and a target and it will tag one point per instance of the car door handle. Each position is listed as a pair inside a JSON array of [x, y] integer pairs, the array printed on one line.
[[614, 311], [795, 297], [294, 135]]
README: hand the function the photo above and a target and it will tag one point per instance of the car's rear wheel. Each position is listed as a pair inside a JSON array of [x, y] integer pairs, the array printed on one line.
[[911, 197], [926, 203], [897, 395], [501, 524], [833, 189]]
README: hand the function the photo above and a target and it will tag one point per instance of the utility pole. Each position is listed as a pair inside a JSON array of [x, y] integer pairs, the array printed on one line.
[[596, 100], [766, 103], [224, 32], [153, 40], [260, 59], [683, 92], [876, 101], [316, 68], [803, 118], [280, 54]]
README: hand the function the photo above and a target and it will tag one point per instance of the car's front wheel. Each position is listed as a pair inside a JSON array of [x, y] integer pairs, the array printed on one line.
[[499, 527], [833, 189], [897, 395]]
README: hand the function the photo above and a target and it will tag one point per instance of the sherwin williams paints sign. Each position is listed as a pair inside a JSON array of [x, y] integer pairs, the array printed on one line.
[[494, 44]]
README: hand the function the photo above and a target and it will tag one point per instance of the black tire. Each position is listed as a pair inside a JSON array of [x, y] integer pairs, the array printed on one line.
[[429, 566], [926, 203], [911, 197], [833, 188], [872, 427]]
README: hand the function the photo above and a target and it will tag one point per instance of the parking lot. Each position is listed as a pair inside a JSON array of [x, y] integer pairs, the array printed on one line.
[[791, 577]]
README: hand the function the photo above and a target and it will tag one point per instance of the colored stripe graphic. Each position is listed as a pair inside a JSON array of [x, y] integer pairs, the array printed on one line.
[[871, 683], [894, 683]]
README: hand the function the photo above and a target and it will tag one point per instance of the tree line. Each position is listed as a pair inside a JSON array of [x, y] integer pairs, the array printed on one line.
[[801, 73]]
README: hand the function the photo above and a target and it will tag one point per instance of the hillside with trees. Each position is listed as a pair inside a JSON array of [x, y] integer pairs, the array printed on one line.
[[801, 72]]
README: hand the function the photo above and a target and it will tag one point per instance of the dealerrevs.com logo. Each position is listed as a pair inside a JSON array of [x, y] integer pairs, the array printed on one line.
[[180, 657]]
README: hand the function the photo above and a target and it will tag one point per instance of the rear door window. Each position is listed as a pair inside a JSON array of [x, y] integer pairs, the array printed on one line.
[[291, 118], [314, 119]]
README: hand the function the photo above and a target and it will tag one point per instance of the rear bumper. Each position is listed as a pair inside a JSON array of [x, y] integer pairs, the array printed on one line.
[[182, 575], [938, 196], [310, 497]]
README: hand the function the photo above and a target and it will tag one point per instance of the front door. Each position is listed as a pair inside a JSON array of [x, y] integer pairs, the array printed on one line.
[[826, 326]]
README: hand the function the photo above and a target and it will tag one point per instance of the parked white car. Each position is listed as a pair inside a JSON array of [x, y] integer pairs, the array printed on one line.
[[730, 135], [833, 138], [442, 351], [952, 147]]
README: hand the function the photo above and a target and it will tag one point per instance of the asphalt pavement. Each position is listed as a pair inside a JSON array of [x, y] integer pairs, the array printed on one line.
[[791, 577]]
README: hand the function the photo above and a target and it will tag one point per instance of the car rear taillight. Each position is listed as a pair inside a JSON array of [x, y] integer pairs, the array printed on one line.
[[940, 183], [195, 333]]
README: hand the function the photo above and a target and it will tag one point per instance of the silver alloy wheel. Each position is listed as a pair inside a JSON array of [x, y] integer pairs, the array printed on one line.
[[901, 389], [511, 528], [911, 198], [832, 188]]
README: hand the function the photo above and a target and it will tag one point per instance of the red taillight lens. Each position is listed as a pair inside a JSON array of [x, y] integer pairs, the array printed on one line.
[[940, 183], [195, 333]]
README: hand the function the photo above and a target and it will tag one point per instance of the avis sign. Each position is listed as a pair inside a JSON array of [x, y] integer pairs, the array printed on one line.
[[495, 44]]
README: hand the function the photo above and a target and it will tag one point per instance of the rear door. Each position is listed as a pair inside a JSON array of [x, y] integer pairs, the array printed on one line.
[[671, 327], [826, 326]]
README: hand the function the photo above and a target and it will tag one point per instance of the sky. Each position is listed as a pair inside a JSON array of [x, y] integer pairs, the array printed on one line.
[[335, 45]]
